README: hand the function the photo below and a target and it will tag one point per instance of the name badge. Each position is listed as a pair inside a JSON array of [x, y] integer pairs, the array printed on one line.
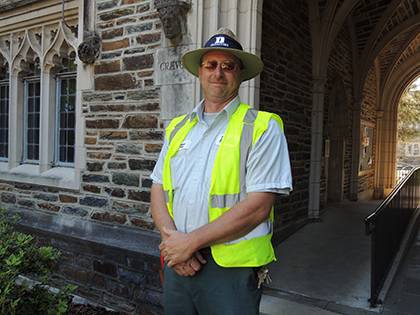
[[185, 145]]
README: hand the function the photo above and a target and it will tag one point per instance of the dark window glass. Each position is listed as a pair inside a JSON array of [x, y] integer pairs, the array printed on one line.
[[4, 119], [66, 116], [32, 119]]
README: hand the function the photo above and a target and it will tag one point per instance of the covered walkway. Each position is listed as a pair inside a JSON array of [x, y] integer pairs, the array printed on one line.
[[324, 268]]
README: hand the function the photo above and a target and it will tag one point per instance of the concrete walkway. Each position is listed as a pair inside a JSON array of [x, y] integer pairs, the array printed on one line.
[[324, 268]]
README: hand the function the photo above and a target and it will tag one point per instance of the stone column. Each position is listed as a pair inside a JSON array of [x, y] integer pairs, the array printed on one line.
[[378, 188], [15, 119], [354, 176], [316, 146], [47, 119]]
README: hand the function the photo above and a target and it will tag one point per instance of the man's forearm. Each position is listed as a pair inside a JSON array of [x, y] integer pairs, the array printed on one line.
[[159, 210], [236, 222]]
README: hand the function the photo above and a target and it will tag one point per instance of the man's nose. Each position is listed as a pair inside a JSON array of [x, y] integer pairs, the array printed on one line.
[[218, 71]]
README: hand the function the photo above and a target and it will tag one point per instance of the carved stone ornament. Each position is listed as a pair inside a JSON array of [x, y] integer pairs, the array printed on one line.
[[172, 13], [88, 50]]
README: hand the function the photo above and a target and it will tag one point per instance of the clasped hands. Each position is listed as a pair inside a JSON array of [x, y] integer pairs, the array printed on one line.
[[179, 254]]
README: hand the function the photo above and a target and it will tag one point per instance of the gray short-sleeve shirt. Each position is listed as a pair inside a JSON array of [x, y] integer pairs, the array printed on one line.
[[268, 166]]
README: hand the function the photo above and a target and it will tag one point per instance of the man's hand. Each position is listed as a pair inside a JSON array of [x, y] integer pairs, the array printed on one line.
[[176, 247], [191, 266]]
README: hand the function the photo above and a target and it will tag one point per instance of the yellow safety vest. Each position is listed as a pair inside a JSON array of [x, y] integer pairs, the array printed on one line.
[[227, 187]]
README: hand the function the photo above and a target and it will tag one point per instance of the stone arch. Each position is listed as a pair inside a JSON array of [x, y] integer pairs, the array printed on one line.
[[62, 44], [397, 82], [27, 50], [336, 130]]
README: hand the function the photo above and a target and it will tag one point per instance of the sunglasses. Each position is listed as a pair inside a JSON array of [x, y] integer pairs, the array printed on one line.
[[226, 66]]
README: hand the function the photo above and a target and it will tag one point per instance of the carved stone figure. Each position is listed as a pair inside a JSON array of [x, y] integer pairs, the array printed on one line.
[[172, 14], [88, 50]]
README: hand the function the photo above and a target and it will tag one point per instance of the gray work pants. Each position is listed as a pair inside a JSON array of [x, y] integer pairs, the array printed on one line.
[[214, 290]]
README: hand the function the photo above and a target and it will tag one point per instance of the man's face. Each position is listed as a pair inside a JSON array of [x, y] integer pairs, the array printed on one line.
[[219, 76]]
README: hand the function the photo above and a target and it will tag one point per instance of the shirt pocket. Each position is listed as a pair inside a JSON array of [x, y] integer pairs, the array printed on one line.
[[179, 164]]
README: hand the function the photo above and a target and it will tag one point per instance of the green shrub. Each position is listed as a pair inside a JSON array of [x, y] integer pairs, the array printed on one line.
[[19, 255]]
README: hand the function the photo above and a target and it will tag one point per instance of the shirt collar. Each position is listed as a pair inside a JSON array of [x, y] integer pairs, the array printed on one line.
[[230, 108]]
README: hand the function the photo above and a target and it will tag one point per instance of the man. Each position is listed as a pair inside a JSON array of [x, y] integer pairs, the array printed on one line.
[[214, 186]]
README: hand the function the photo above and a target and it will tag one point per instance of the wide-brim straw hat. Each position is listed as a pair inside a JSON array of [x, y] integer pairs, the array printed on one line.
[[224, 40]]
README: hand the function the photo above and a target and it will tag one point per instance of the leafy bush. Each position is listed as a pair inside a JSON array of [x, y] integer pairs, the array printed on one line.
[[19, 255]]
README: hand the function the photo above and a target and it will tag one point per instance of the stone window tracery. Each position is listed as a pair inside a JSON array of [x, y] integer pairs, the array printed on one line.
[[40, 99]]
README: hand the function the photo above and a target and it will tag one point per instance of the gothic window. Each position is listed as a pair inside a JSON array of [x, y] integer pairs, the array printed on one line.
[[32, 109], [4, 110], [65, 109]]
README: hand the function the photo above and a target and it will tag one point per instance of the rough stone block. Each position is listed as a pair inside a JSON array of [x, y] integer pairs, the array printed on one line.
[[142, 95], [131, 277], [115, 192], [46, 197], [93, 201], [145, 39], [67, 198], [116, 14], [108, 67], [92, 188], [6, 187], [110, 34], [109, 217], [89, 97], [106, 268], [8, 198], [115, 82], [116, 44], [140, 121], [117, 165], [49, 206], [139, 195], [113, 135], [117, 289], [90, 140], [26, 203], [81, 212], [126, 179], [131, 29], [94, 166], [152, 147], [129, 148], [145, 165], [146, 135], [130, 207], [138, 62], [99, 155], [102, 123], [146, 182], [107, 5], [139, 222]]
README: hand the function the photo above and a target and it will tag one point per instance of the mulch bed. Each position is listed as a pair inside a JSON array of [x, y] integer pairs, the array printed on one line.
[[78, 309]]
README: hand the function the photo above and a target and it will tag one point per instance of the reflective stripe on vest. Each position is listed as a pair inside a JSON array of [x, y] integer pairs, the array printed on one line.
[[228, 182]]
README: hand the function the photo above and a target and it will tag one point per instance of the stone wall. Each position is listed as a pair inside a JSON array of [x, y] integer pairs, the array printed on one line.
[[286, 89], [340, 71], [12, 4], [368, 114], [117, 268], [123, 135], [123, 132]]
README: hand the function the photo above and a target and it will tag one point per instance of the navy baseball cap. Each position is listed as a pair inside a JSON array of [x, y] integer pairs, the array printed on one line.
[[224, 40]]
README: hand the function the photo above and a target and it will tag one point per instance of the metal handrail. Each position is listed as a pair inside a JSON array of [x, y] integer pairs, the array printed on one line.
[[387, 226]]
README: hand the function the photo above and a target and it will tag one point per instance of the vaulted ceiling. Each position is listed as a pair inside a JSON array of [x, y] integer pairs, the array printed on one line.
[[384, 32]]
